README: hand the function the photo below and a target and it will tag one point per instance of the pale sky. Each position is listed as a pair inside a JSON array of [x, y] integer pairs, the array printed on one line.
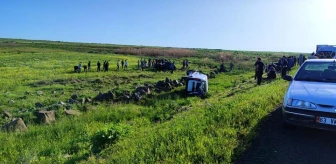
[[257, 25]]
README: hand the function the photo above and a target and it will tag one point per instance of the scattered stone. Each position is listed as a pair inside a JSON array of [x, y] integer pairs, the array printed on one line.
[[68, 107], [39, 105], [99, 97], [143, 90], [137, 96], [61, 103], [11, 101], [39, 93], [46, 116], [54, 92], [104, 96], [6, 114], [176, 82], [23, 110], [167, 85], [88, 100], [126, 96], [83, 101], [16, 125], [75, 97], [110, 95], [67, 156], [167, 80], [158, 90], [70, 101], [180, 84], [72, 112]]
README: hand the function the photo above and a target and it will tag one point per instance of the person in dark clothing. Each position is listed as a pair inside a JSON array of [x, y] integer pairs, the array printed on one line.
[[98, 66], [104, 66], [259, 66], [149, 62], [231, 66], [89, 66], [271, 71], [183, 64], [284, 64], [222, 68], [122, 64], [107, 65], [142, 65]]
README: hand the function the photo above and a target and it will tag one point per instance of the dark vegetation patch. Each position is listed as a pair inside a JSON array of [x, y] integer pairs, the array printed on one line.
[[117, 80]]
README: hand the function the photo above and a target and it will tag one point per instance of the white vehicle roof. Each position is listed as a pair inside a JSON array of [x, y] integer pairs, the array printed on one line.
[[321, 60], [198, 76]]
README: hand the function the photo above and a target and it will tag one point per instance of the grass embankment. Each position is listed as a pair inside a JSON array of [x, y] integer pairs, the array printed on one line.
[[213, 131], [166, 127]]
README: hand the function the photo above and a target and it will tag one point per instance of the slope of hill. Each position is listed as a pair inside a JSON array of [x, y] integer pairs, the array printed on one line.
[[164, 126]]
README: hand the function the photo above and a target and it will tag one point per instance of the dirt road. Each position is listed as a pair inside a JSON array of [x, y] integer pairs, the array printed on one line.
[[276, 144]]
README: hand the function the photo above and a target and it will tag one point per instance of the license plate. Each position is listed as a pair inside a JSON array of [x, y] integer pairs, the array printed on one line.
[[326, 120]]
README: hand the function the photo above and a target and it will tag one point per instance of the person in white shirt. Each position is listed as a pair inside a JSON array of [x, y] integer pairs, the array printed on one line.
[[79, 67], [312, 56], [126, 64]]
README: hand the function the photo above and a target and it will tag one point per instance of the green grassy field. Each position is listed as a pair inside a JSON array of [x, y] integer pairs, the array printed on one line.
[[163, 127]]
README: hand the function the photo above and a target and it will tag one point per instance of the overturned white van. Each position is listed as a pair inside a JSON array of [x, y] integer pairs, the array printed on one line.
[[196, 83]]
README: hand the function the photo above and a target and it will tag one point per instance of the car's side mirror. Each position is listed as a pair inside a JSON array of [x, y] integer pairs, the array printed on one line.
[[287, 77]]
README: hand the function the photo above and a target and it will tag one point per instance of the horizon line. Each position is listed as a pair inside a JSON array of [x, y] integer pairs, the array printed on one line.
[[151, 46]]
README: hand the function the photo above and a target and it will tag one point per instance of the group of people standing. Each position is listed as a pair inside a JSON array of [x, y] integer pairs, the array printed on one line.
[[284, 65], [106, 64], [185, 64], [151, 63], [123, 63], [142, 63], [222, 68]]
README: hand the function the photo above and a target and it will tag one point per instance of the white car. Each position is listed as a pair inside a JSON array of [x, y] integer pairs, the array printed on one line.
[[311, 96], [196, 83]]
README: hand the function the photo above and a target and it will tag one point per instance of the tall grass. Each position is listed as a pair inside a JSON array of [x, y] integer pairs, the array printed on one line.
[[156, 52]]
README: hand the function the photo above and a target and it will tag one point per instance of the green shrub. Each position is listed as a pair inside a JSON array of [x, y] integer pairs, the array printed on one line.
[[109, 135]]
